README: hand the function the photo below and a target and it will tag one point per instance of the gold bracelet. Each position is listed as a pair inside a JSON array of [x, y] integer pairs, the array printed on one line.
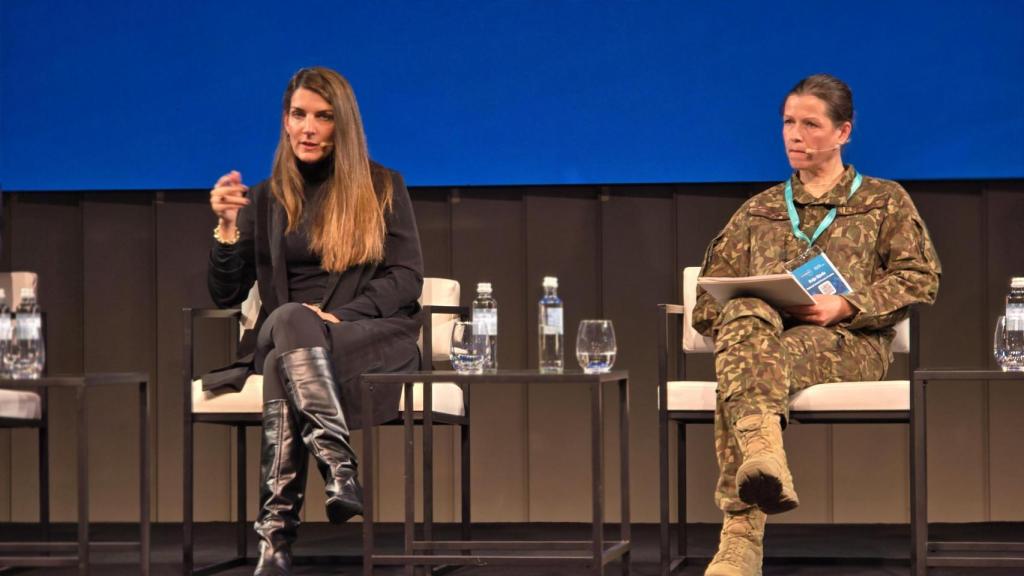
[[218, 238]]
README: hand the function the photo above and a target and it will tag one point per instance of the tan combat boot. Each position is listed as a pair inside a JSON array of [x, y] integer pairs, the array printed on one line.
[[741, 547], [764, 479]]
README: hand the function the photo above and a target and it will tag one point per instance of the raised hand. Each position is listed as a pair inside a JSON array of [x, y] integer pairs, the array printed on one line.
[[226, 199]]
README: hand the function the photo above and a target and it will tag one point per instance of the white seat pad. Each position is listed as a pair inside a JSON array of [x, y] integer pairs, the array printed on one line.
[[20, 404], [248, 400], [839, 396], [447, 398]]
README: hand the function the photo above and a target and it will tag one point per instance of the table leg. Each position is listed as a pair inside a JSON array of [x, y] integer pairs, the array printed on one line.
[[918, 479], [410, 476], [368, 552], [83, 482], [625, 531], [428, 465], [597, 476], [144, 478]]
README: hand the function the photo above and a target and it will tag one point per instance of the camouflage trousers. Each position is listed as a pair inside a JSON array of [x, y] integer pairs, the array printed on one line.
[[759, 364]]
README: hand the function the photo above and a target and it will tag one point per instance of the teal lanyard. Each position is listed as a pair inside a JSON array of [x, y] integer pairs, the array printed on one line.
[[794, 218]]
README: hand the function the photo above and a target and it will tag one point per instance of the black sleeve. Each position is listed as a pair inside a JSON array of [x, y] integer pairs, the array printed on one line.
[[398, 280], [231, 270]]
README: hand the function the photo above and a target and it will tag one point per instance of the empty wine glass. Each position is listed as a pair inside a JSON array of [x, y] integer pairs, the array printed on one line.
[[595, 346], [468, 348]]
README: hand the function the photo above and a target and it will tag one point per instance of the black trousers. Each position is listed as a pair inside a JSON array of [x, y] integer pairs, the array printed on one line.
[[288, 327]]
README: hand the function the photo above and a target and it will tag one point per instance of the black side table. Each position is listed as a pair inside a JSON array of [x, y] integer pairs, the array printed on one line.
[[936, 553], [81, 385], [595, 553]]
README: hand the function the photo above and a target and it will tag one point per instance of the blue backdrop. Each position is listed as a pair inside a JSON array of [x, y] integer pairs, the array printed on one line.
[[103, 95]]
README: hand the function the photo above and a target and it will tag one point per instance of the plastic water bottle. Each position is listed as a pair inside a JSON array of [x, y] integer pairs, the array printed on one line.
[[551, 328], [485, 322], [1014, 358], [27, 351], [5, 335]]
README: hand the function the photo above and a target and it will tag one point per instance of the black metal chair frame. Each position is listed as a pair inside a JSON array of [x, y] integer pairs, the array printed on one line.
[[670, 330], [241, 421]]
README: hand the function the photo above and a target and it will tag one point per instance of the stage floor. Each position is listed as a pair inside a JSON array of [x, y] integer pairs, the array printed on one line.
[[783, 542]]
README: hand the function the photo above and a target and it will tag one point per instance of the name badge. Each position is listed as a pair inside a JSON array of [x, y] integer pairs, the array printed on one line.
[[816, 273]]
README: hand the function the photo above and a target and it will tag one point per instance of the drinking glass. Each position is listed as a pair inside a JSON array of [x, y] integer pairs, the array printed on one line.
[[1008, 346], [595, 346], [468, 349]]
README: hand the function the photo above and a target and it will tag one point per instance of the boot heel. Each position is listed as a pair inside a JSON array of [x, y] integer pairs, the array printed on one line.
[[346, 503]]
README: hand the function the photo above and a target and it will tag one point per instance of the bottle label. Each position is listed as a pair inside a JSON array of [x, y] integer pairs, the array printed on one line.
[[5, 327], [552, 321], [28, 327], [1015, 317], [485, 321]]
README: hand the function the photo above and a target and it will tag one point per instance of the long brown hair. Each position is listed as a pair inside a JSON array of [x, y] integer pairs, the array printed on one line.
[[349, 228]]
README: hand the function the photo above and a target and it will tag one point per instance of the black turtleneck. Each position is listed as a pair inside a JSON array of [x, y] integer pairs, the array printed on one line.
[[307, 280]]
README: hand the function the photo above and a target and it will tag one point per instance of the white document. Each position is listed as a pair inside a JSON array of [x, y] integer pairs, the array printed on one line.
[[779, 290]]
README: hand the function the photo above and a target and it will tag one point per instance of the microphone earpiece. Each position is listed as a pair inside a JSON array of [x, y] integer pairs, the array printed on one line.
[[815, 150]]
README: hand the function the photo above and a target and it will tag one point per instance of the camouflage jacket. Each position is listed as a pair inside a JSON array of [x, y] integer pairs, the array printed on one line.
[[878, 241]]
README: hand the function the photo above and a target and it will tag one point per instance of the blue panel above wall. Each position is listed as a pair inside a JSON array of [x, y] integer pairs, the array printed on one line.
[[105, 95]]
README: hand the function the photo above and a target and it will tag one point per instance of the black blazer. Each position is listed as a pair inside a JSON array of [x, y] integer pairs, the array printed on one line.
[[387, 290]]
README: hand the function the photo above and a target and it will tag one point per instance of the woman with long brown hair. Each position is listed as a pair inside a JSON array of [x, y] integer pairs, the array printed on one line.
[[331, 243]]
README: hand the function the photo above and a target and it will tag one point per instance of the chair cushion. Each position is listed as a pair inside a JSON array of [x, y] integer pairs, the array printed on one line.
[[248, 400], [838, 396], [855, 396], [20, 404], [447, 398]]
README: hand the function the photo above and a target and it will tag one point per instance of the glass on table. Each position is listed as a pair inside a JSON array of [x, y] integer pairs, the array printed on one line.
[[468, 348], [595, 346], [1008, 346]]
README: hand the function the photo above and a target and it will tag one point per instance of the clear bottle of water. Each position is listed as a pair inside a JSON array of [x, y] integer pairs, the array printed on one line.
[[1014, 354], [27, 351], [485, 322], [551, 328], [6, 335]]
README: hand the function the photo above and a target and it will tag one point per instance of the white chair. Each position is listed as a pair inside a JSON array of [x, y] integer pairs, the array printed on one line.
[[440, 302], [693, 402]]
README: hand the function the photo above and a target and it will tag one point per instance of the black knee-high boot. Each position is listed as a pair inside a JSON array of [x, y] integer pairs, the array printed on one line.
[[283, 466], [309, 383]]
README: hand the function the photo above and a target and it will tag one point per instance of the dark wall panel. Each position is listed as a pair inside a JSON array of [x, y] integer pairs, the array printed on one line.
[[1005, 234], [433, 219], [637, 227], [183, 229], [45, 236], [489, 245], [119, 319], [957, 411], [562, 239]]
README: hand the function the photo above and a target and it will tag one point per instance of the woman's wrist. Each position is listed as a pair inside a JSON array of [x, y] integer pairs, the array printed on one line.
[[225, 233]]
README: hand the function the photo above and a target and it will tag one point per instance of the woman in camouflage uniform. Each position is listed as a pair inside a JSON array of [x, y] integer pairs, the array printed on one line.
[[878, 242]]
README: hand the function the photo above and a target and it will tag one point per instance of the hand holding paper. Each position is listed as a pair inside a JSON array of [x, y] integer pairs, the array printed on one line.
[[826, 311]]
